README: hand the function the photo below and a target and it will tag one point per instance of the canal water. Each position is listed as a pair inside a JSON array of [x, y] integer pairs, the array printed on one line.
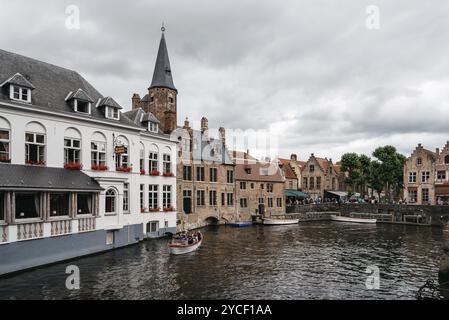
[[314, 260]]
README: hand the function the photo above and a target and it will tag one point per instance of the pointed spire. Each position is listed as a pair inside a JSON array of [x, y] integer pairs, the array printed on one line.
[[162, 76]]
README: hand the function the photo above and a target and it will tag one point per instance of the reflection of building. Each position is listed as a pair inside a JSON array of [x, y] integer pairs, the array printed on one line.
[[260, 186], [318, 174], [74, 169]]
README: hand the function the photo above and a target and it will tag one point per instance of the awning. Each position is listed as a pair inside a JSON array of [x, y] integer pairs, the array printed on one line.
[[340, 194], [442, 191], [13, 177], [295, 193]]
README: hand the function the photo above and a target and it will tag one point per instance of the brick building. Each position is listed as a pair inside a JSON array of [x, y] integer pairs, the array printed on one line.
[[318, 175]]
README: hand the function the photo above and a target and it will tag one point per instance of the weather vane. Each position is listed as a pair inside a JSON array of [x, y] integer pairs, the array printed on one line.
[[163, 26]]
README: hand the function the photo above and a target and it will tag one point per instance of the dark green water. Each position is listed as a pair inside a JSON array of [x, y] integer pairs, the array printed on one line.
[[325, 260]]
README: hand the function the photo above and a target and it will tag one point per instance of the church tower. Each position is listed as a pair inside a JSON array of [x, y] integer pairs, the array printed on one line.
[[161, 100]]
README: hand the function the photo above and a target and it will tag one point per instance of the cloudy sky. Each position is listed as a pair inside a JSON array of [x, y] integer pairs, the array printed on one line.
[[310, 71]]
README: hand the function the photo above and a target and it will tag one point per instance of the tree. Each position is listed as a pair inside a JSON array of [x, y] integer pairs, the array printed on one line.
[[375, 177], [350, 163]]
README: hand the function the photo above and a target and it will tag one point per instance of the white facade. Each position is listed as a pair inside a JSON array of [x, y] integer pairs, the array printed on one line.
[[19, 118]]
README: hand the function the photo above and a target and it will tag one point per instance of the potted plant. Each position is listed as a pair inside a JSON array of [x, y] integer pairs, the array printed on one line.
[[143, 210], [5, 160], [73, 165], [142, 172], [155, 209], [124, 169], [169, 209], [35, 163], [154, 172], [99, 167], [168, 174]]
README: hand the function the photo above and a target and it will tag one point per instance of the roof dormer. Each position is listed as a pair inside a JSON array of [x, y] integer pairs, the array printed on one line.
[[110, 108], [19, 88], [151, 122], [80, 101]]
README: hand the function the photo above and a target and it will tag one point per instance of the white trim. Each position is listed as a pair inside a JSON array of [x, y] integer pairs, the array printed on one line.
[[66, 98]]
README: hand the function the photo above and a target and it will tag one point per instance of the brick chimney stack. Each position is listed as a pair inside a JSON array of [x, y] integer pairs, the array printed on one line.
[[135, 101], [222, 134], [186, 123], [204, 124]]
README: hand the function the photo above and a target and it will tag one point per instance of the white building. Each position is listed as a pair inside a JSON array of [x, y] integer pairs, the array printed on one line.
[[77, 176]]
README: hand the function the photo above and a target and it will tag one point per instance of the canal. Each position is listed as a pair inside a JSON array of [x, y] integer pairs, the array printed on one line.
[[319, 260]]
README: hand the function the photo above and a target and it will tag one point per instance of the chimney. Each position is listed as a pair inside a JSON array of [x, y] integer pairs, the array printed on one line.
[[204, 124], [186, 123], [437, 151], [135, 101], [222, 134], [294, 157]]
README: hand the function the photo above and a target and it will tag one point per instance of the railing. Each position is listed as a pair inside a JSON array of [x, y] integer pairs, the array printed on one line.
[[3, 234], [61, 227], [30, 230], [86, 224]]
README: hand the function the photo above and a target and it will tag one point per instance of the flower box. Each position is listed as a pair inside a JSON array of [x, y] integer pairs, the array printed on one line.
[[169, 209], [143, 210], [155, 209], [5, 160], [154, 173], [124, 169], [35, 163], [168, 174], [99, 167], [73, 165], [142, 172]]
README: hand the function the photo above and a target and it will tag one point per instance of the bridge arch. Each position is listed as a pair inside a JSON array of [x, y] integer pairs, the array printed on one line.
[[211, 220]]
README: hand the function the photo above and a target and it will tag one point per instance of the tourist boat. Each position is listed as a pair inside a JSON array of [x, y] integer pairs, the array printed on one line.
[[350, 219], [240, 224], [181, 244], [275, 222]]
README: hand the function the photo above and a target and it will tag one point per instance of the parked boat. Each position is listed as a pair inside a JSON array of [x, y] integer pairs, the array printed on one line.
[[350, 219], [185, 243], [240, 224], [275, 222]]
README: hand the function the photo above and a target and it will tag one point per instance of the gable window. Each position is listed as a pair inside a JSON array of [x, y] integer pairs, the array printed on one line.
[[153, 127], [311, 168], [82, 106], [34, 148], [27, 205], [110, 201], [59, 204], [4, 146], [153, 162], [72, 150], [84, 203], [419, 161], [213, 172], [166, 163], [20, 94], [112, 113], [248, 170], [98, 154]]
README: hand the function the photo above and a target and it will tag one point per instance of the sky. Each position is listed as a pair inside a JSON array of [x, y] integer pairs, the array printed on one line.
[[322, 77]]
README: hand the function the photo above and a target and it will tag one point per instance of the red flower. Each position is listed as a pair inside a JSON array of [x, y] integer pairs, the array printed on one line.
[[73, 165], [142, 171], [37, 163], [143, 210], [168, 174], [169, 209], [99, 167], [5, 160], [155, 209], [154, 173], [124, 169]]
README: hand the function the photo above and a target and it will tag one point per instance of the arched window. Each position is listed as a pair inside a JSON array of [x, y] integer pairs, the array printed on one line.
[[446, 159], [153, 167], [111, 201], [142, 158], [35, 143]]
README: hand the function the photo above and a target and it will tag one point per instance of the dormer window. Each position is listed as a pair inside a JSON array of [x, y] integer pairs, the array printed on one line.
[[19, 88], [20, 94], [82, 106], [112, 113], [110, 108], [248, 170], [79, 101], [153, 127]]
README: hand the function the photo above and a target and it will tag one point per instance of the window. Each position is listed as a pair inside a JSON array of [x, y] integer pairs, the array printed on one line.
[[318, 182], [200, 173], [27, 205], [152, 99], [59, 204], [98, 154], [153, 226], [112, 113], [311, 168], [441, 175], [152, 196], [84, 203], [304, 182], [223, 203], [142, 160], [425, 195], [270, 202], [312, 183], [412, 196], [212, 198], [425, 176], [82, 106], [269, 187], [171, 100], [166, 163], [200, 197], [153, 127], [252, 185], [333, 184], [261, 186], [279, 202], [446, 159], [122, 159], [166, 196], [110, 201], [2, 206], [230, 199], [187, 173], [230, 176], [242, 185], [243, 203], [419, 161], [142, 190], [261, 200], [20, 94], [248, 170], [213, 173], [34, 148], [72, 150], [412, 177], [4, 146], [153, 162]]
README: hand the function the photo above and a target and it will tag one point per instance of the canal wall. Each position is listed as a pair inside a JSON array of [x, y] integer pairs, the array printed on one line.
[[400, 213]]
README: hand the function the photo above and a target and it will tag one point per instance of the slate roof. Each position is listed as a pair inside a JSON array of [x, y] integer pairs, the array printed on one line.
[[52, 85], [19, 80], [14, 176], [162, 75], [138, 116], [109, 102], [211, 150], [79, 95]]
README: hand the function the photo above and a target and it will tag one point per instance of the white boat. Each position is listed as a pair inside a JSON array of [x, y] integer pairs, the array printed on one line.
[[275, 222], [350, 219], [181, 245]]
